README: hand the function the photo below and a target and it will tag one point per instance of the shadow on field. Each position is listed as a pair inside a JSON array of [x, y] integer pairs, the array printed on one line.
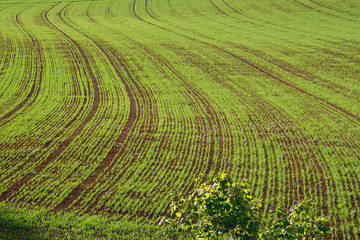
[[14, 229]]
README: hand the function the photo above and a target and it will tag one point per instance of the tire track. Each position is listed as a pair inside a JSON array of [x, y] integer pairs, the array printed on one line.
[[334, 9], [143, 141], [18, 184], [100, 146], [70, 108], [322, 12], [333, 87], [118, 149], [74, 61], [218, 9]]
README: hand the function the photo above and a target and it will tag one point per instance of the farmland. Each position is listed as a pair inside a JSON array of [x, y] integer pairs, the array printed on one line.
[[108, 106]]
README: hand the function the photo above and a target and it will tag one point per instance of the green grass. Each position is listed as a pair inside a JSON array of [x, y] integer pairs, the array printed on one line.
[[18, 223], [106, 107]]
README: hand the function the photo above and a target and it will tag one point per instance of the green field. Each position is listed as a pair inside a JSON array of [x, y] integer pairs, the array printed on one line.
[[108, 106]]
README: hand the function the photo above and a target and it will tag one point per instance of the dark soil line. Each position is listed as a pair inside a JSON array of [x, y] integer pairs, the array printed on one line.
[[18, 184], [148, 11], [75, 63], [90, 131], [319, 11], [334, 9], [156, 64], [184, 146], [34, 89], [217, 8], [253, 66], [88, 15]]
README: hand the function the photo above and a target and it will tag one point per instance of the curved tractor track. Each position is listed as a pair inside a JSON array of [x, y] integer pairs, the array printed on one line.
[[18, 184], [109, 106]]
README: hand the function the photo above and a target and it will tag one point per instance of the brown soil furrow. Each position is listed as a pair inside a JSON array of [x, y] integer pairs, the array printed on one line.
[[89, 132], [18, 184], [74, 62], [165, 143], [70, 108], [149, 125], [185, 145], [264, 23], [104, 96], [71, 113], [238, 12], [298, 143], [149, 11], [157, 62], [183, 148], [318, 162], [143, 141], [88, 15], [37, 79], [108, 9]]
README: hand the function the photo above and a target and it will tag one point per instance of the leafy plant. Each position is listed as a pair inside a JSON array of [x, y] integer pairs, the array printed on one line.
[[227, 210], [300, 223]]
